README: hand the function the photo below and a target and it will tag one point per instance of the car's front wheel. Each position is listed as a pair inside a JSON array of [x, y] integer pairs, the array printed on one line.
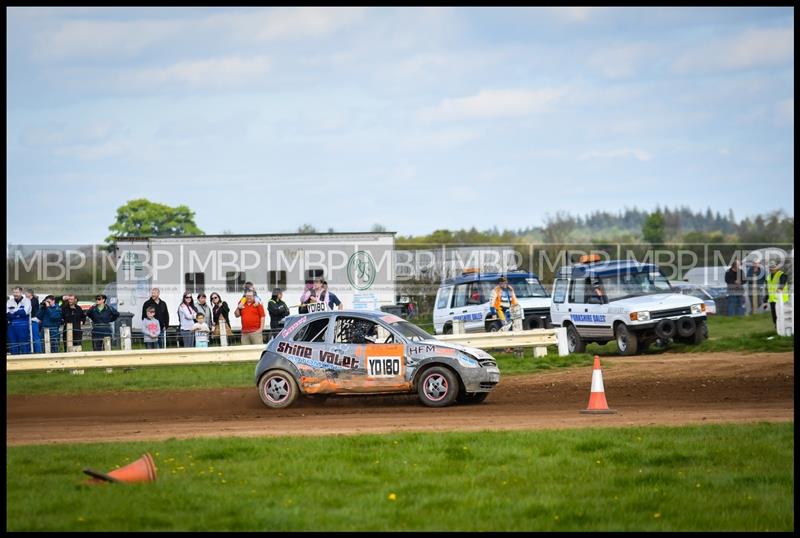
[[627, 342], [700, 332], [277, 389], [438, 387], [574, 342]]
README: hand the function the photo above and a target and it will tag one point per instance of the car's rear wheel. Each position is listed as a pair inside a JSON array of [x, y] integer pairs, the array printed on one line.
[[574, 342], [473, 398], [627, 342], [277, 389], [438, 387]]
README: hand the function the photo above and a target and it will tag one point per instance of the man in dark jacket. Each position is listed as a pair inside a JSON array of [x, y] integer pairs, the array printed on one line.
[[72, 313], [734, 278], [102, 316], [162, 314], [277, 309]]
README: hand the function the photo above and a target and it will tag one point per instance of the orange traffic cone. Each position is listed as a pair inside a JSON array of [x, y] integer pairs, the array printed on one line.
[[141, 470], [597, 399]]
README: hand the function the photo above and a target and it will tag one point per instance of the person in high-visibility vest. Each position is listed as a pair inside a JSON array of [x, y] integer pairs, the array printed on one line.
[[776, 288], [503, 297]]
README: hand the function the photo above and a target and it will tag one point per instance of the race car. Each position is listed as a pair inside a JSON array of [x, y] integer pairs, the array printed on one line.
[[369, 352]]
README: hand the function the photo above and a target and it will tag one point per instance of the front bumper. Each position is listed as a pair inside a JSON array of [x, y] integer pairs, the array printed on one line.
[[650, 325], [480, 379]]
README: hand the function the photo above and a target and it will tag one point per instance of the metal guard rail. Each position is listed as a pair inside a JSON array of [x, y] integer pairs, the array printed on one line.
[[538, 338]]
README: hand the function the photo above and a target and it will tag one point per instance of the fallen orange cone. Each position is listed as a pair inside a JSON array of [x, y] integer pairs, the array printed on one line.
[[597, 399], [141, 470]]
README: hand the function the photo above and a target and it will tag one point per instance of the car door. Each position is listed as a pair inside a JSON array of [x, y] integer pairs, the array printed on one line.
[[442, 313], [468, 306], [588, 318], [558, 308], [378, 353]]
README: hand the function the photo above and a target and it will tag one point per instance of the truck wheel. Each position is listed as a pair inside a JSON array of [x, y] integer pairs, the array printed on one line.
[[627, 342], [574, 342], [438, 387], [700, 332], [447, 329]]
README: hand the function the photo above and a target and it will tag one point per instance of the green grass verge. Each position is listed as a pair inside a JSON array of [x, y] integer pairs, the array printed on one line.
[[704, 478], [753, 333]]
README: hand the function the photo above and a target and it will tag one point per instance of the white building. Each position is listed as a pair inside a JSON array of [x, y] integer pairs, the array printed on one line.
[[359, 268]]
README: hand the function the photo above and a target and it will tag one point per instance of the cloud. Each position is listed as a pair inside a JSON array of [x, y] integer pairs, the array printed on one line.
[[440, 140], [573, 14], [620, 62], [491, 104], [616, 154], [750, 49], [94, 152], [89, 39], [213, 72]]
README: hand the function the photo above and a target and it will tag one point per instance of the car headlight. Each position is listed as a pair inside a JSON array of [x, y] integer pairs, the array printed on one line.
[[467, 361], [643, 315], [698, 308]]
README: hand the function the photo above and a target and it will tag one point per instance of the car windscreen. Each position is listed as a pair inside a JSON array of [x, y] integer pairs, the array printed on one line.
[[527, 287], [411, 331], [624, 285]]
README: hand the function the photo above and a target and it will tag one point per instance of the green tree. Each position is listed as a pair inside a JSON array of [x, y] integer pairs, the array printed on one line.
[[143, 218], [653, 228], [306, 229]]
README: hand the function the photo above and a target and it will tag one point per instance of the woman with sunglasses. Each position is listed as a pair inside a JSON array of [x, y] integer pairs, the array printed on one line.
[[187, 313], [219, 309]]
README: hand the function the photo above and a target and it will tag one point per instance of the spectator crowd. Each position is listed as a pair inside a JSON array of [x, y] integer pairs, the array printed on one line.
[[200, 320]]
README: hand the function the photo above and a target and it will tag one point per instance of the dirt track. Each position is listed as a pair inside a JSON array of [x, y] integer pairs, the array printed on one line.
[[666, 389]]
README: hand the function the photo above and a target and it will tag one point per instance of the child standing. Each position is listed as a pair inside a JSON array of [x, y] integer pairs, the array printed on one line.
[[152, 329], [201, 331]]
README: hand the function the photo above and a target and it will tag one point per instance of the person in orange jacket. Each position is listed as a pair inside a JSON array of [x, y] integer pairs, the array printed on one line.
[[503, 298]]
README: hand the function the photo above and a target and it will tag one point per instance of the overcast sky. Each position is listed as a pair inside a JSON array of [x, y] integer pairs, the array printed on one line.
[[263, 119]]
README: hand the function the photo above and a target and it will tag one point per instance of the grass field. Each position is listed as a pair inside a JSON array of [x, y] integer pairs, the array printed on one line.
[[714, 477], [754, 333]]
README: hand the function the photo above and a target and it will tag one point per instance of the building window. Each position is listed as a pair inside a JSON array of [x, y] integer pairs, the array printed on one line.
[[195, 282], [234, 282], [311, 274], [276, 279]]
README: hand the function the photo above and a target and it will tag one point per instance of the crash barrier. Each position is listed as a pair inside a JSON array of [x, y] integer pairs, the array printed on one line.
[[539, 338], [133, 358], [61, 340]]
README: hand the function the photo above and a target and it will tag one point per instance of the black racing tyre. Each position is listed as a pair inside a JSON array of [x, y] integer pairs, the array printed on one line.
[[574, 342], [277, 389], [685, 326], [438, 387], [700, 332], [627, 341], [473, 398], [665, 329]]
